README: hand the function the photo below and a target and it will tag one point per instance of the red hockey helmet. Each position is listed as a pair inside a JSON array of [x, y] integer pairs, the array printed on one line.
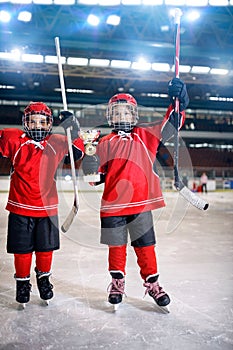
[[122, 112], [37, 120]]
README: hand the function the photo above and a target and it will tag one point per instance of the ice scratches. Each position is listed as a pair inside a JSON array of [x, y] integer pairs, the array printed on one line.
[[141, 337], [220, 342], [15, 345], [221, 337], [213, 326], [188, 331], [203, 314]]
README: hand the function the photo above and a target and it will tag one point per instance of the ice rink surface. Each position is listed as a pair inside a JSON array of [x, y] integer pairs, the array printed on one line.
[[195, 256]]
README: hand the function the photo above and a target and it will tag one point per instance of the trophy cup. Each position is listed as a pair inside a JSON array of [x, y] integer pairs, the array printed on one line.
[[90, 139]]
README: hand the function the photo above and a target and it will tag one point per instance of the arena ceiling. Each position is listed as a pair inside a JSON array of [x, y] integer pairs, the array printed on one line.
[[143, 30]]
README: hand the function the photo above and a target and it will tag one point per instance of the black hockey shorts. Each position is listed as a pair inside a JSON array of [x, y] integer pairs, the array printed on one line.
[[115, 230], [27, 234]]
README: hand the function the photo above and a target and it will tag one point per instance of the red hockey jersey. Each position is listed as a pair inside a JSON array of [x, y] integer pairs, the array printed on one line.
[[131, 184], [32, 184]]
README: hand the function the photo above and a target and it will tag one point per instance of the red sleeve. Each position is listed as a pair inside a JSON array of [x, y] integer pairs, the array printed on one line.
[[78, 143], [102, 153], [8, 139]]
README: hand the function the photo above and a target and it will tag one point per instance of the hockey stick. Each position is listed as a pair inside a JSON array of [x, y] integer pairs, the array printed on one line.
[[68, 221], [183, 190]]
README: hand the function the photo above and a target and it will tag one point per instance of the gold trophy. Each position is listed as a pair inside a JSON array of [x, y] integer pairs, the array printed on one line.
[[90, 139]]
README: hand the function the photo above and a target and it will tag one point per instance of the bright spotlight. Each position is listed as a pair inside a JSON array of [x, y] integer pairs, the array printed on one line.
[[93, 20], [193, 15], [25, 16], [5, 16], [113, 20]]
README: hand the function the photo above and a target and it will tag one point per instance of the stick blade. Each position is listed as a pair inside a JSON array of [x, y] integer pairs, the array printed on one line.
[[68, 221], [192, 198]]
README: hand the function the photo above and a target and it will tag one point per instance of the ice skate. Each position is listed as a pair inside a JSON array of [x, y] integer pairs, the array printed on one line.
[[23, 289], [157, 293], [44, 286], [116, 289]]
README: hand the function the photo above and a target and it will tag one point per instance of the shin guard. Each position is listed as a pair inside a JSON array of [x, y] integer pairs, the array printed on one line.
[[22, 265], [146, 259], [44, 261], [117, 258]]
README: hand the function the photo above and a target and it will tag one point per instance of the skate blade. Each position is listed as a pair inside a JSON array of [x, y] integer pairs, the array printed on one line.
[[22, 306], [45, 302], [164, 309], [115, 307]]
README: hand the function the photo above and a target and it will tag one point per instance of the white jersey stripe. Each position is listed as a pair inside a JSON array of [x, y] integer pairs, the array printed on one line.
[[25, 206], [133, 204]]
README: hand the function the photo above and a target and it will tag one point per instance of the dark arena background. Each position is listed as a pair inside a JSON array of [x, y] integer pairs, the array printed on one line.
[[128, 48]]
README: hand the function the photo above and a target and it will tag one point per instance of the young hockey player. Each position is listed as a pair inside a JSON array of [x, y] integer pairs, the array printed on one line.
[[35, 154], [132, 188]]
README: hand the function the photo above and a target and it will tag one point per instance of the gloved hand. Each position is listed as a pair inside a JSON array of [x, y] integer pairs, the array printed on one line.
[[90, 164], [177, 88], [68, 120]]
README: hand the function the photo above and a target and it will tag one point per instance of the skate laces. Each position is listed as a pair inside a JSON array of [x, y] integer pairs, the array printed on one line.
[[154, 290], [116, 286]]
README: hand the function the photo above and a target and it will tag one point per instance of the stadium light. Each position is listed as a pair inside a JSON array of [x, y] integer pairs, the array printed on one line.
[[218, 2], [193, 15], [54, 59], [76, 91], [23, 2], [64, 2], [12, 56], [175, 2], [93, 20], [8, 87], [120, 64], [77, 61], [164, 28], [25, 16], [43, 2], [88, 2], [200, 70], [131, 2], [152, 2], [183, 68], [99, 62], [160, 67], [113, 20], [5, 16], [197, 3], [80, 91], [32, 58], [109, 2], [219, 71], [141, 64]]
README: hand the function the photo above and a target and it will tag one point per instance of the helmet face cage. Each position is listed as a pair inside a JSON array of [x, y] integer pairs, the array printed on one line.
[[122, 112], [37, 121]]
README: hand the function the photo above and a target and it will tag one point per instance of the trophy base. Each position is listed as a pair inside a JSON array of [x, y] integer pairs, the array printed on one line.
[[91, 178]]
